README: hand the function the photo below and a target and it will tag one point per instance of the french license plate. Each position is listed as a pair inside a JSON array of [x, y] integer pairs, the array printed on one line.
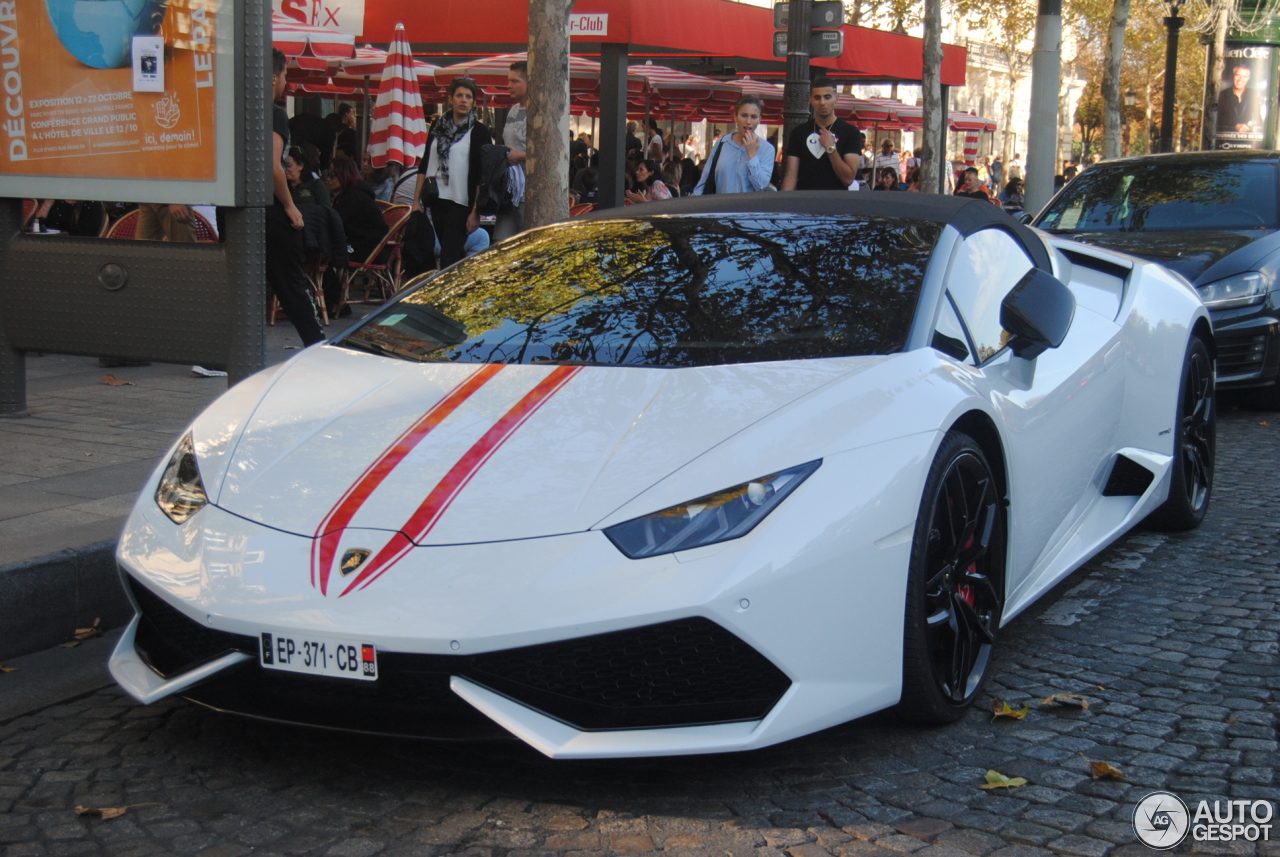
[[318, 656]]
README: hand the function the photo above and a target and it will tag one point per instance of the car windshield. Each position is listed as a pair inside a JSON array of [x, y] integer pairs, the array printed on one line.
[[1209, 195], [668, 292]]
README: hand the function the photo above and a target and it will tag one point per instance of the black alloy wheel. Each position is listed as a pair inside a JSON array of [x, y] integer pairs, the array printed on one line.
[[1191, 481], [955, 587]]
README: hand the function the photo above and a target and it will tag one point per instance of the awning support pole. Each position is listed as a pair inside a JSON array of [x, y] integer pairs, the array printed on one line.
[[612, 143]]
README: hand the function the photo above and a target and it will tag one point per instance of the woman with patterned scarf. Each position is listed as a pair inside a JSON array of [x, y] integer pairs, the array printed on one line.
[[453, 160]]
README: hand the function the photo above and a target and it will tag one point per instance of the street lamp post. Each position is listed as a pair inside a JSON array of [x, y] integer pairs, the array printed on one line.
[[1194, 113], [1174, 23], [1130, 99]]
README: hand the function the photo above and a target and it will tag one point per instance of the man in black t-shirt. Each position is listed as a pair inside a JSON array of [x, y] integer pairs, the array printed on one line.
[[972, 187], [824, 154], [285, 253]]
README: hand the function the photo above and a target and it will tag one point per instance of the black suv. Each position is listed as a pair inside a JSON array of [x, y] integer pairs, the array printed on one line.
[[1211, 217]]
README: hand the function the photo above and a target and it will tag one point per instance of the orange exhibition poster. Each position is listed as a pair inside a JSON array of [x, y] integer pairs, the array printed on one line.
[[120, 89]]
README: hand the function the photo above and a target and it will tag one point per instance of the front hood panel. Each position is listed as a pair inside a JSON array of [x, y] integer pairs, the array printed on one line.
[[456, 454], [1187, 253]]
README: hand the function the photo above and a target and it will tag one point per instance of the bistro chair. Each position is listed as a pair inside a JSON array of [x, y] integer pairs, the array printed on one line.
[[205, 232], [314, 268], [381, 271], [126, 226]]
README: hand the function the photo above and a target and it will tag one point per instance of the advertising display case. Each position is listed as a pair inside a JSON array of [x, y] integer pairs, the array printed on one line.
[[118, 99]]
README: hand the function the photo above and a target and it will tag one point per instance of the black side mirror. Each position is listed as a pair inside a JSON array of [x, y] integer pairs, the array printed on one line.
[[1025, 218], [1037, 313]]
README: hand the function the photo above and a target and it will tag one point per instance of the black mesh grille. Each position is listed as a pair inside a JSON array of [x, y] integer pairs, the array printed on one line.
[[690, 671], [171, 643], [1245, 356]]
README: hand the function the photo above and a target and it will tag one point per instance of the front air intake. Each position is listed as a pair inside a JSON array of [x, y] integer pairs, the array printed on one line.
[[687, 672], [171, 643]]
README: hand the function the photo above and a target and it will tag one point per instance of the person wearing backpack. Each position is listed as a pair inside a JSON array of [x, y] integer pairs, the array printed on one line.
[[515, 137], [741, 162]]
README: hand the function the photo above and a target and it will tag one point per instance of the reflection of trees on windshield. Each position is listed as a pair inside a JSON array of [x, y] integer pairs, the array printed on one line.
[[686, 291], [1212, 195]]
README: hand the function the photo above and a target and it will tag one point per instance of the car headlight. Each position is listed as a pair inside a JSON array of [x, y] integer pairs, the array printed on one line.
[[717, 517], [180, 493], [1240, 290]]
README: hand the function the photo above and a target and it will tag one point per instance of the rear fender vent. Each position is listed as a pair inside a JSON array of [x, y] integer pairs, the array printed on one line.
[[1128, 479]]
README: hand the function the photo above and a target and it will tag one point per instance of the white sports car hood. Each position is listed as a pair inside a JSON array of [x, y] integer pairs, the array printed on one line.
[[456, 454]]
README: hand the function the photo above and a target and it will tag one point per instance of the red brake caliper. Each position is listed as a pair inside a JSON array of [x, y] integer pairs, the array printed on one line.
[[964, 590]]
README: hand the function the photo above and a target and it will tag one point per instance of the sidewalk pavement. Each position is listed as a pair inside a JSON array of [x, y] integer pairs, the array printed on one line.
[[69, 474]]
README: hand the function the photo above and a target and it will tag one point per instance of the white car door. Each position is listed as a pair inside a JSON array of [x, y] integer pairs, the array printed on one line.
[[1059, 411]]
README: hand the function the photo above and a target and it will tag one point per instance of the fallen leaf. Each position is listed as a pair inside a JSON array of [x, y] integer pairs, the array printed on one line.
[[86, 633], [105, 812], [5, 669], [1099, 687], [292, 347], [113, 381], [1002, 709], [997, 780], [1101, 770], [1065, 699], [1233, 719], [70, 644], [1264, 424]]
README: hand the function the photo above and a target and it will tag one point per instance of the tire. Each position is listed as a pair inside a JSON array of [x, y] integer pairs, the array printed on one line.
[[1194, 445], [952, 616]]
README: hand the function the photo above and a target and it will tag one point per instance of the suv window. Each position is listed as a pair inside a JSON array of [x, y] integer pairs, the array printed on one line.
[[984, 269], [1152, 196]]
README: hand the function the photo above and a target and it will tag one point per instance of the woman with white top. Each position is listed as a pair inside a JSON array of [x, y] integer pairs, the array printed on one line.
[[741, 162], [453, 159]]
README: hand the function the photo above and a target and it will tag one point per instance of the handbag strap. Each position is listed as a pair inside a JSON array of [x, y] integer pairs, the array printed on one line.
[[710, 186]]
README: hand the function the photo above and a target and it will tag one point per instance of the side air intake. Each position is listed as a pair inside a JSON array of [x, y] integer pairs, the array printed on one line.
[[1128, 479]]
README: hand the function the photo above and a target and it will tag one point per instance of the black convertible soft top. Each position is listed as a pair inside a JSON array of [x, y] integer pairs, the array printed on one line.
[[965, 214]]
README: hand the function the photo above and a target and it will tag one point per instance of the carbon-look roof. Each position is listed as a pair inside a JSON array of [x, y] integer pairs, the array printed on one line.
[[965, 214]]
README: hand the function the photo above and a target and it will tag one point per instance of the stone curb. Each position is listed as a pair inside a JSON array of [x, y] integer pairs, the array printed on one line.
[[45, 599]]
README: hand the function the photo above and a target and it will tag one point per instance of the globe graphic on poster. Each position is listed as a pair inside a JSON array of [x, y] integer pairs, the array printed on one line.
[[100, 33]]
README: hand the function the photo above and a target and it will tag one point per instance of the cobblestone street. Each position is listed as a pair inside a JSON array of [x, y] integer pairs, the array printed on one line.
[[1171, 638]]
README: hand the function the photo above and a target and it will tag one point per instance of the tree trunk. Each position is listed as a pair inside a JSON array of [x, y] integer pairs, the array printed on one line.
[[1006, 149], [931, 159], [1111, 80], [547, 164], [1213, 74]]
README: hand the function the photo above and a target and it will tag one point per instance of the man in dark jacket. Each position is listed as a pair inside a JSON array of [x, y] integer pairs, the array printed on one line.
[[453, 160]]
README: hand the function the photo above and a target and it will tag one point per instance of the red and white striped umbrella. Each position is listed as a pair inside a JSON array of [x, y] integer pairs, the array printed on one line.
[[970, 148], [399, 130]]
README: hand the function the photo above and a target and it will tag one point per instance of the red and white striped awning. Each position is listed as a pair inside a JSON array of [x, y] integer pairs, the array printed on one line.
[[491, 74], [300, 40], [670, 85], [912, 117], [399, 130]]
